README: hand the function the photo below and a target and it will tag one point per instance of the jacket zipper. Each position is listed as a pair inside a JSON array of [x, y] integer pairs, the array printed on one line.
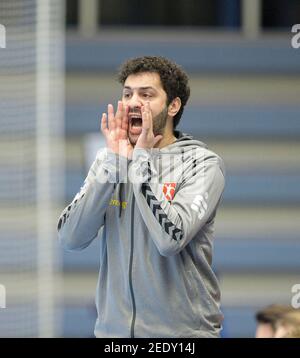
[[130, 270]]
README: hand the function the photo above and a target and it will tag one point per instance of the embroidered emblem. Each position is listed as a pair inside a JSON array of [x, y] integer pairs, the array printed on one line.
[[169, 190]]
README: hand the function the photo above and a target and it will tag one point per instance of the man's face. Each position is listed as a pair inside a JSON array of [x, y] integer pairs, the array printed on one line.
[[264, 330], [138, 89]]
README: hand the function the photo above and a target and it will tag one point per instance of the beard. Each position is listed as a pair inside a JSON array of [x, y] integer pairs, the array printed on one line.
[[159, 125]]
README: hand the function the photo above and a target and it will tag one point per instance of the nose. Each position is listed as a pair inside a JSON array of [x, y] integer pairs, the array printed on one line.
[[134, 102]]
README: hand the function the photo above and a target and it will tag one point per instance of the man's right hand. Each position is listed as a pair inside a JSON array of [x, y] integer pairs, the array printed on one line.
[[115, 128]]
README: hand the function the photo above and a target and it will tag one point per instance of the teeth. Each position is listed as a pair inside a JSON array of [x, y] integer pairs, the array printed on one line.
[[136, 121]]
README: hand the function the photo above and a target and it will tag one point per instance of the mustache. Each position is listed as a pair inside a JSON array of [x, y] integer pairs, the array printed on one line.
[[134, 110]]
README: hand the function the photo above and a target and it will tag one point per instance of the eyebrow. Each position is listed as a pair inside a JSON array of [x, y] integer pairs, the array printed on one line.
[[140, 88]]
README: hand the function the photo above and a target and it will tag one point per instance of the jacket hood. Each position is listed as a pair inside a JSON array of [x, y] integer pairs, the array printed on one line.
[[185, 142]]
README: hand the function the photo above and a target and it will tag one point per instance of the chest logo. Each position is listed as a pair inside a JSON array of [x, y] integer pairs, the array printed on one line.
[[169, 190]]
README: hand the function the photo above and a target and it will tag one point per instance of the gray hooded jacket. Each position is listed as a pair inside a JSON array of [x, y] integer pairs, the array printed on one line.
[[155, 215]]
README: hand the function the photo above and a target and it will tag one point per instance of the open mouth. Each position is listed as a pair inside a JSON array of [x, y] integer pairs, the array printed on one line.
[[135, 120], [135, 123]]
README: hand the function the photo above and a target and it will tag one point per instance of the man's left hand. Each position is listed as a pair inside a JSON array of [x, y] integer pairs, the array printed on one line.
[[147, 140]]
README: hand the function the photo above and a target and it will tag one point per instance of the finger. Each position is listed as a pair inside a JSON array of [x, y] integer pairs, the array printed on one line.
[[104, 127], [119, 114], [125, 119], [111, 117], [157, 139], [149, 116], [145, 119]]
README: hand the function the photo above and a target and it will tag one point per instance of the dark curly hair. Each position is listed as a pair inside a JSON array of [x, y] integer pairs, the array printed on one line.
[[174, 80]]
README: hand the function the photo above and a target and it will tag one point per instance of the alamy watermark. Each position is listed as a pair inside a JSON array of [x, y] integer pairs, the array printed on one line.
[[2, 296], [296, 38], [2, 36], [296, 297], [183, 163]]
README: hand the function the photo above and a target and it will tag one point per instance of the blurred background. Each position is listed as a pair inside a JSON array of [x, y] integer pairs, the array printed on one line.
[[57, 75]]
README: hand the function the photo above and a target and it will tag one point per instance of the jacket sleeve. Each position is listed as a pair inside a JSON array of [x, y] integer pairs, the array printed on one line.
[[173, 224], [80, 221]]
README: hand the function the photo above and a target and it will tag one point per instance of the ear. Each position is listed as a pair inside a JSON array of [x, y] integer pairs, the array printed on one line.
[[174, 107]]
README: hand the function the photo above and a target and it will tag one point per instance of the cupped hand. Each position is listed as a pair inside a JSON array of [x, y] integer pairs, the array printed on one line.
[[147, 139], [115, 130]]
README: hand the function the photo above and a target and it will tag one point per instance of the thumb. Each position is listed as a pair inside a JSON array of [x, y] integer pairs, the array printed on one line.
[[157, 139]]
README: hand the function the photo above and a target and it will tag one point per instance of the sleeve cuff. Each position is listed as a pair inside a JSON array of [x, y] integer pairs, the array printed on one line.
[[142, 164], [115, 166], [140, 154]]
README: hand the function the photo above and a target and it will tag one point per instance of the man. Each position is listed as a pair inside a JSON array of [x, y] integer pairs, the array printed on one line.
[[154, 192], [268, 318]]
